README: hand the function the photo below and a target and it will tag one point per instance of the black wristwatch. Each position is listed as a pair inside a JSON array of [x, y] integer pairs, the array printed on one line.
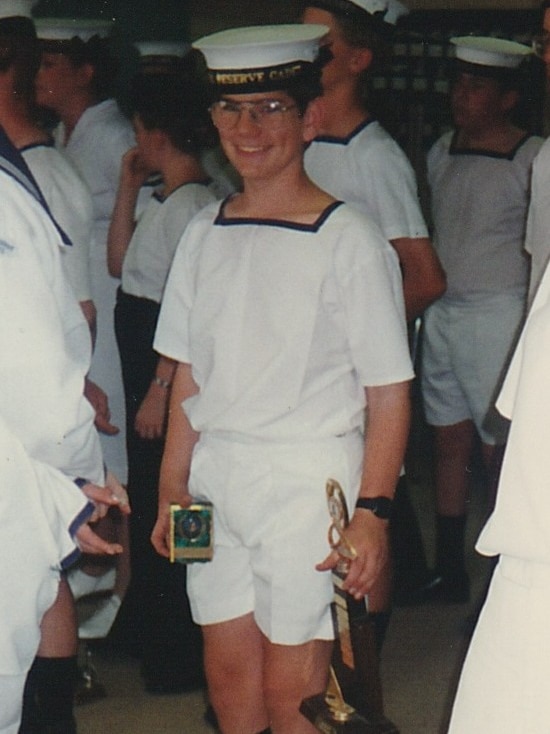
[[380, 506]]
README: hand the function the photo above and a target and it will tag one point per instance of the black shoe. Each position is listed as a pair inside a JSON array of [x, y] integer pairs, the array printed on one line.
[[437, 590], [210, 717]]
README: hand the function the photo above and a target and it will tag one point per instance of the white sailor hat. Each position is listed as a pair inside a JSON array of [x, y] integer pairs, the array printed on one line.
[[16, 8], [165, 49], [258, 58], [375, 8], [484, 53], [65, 29]]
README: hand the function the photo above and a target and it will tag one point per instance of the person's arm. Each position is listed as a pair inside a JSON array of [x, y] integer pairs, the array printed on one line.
[[386, 433], [151, 417], [424, 279], [176, 460], [133, 175]]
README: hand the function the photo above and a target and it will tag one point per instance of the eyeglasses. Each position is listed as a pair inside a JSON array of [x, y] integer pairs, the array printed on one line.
[[266, 113], [541, 43]]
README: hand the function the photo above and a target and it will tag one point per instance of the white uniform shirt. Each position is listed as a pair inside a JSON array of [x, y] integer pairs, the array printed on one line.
[[70, 201], [46, 342], [518, 526], [96, 145], [537, 241], [369, 171], [40, 509], [284, 324], [158, 231], [479, 206]]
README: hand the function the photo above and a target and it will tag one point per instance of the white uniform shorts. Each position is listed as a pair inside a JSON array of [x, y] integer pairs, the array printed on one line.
[[466, 349], [270, 530], [505, 682]]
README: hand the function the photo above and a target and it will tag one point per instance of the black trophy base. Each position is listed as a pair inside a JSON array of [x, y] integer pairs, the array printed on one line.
[[316, 710]]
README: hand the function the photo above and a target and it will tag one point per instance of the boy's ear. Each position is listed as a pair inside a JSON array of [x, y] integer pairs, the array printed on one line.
[[360, 60], [313, 119]]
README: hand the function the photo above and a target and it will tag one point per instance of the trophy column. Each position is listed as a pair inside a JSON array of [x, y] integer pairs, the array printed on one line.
[[353, 701]]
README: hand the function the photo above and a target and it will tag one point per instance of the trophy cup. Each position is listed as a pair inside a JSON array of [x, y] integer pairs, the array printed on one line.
[[352, 703]]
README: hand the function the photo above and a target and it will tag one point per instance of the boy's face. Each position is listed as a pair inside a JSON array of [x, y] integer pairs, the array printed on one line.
[[341, 67], [57, 80], [262, 147], [476, 101]]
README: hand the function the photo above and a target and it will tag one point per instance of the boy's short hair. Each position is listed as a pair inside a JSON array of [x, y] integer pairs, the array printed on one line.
[[97, 52], [19, 50], [177, 104]]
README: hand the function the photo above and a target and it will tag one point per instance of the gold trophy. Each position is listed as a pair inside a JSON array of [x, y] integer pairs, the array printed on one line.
[[352, 703]]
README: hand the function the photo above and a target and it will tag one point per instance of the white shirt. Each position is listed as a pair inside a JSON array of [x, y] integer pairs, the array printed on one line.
[[369, 171], [479, 207], [158, 231], [284, 324], [46, 352], [70, 201], [519, 525], [96, 145], [537, 241]]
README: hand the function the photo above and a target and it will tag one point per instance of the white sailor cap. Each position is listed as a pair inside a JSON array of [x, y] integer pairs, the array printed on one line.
[[16, 8], [258, 58], [165, 49], [65, 29], [484, 53], [372, 8]]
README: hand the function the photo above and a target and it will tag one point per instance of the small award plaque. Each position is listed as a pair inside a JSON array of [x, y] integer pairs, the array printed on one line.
[[353, 702], [191, 532]]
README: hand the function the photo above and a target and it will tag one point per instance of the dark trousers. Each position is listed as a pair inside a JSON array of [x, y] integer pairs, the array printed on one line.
[[155, 620]]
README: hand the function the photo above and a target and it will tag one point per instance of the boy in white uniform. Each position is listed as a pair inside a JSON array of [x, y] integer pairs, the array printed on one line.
[[356, 160], [43, 370], [479, 178], [284, 310], [74, 80]]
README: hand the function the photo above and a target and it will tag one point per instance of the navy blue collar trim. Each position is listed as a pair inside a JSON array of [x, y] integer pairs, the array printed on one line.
[[224, 221], [47, 144], [344, 141], [455, 150], [13, 163]]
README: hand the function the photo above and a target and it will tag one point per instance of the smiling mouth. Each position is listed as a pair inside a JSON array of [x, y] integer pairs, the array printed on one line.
[[246, 149]]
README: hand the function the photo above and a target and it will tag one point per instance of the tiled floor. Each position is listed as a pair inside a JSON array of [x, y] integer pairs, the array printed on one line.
[[421, 659]]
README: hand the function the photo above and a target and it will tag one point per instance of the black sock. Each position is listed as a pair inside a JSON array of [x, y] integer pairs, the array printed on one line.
[[49, 696], [450, 534], [380, 622]]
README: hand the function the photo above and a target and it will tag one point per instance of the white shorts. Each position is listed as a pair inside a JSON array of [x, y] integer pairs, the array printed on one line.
[[270, 530], [466, 349], [505, 682], [11, 702]]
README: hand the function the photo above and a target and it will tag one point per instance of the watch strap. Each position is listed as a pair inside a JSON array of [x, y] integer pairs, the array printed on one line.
[[379, 506]]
